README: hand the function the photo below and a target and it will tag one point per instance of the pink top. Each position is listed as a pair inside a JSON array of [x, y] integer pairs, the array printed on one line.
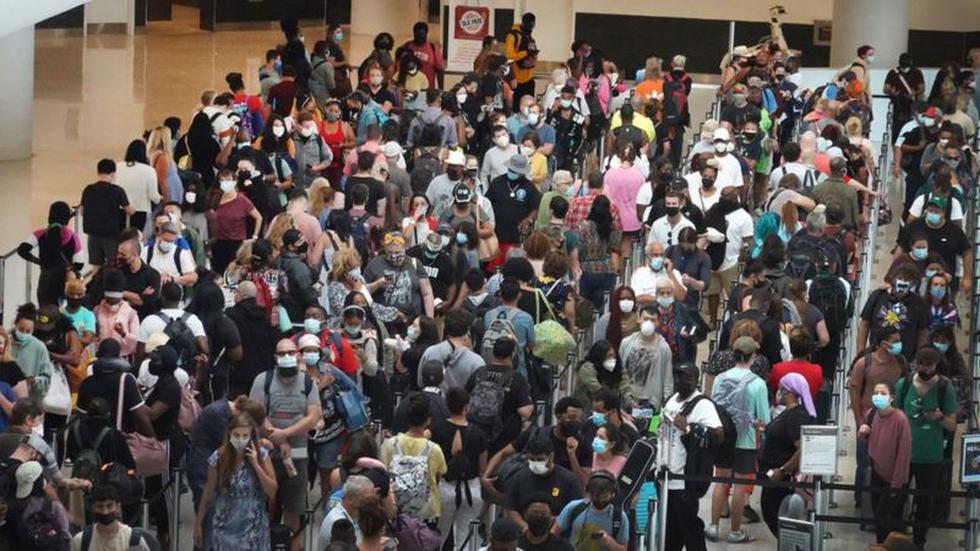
[[614, 465], [602, 90], [310, 228], [621, 186], [106, 319], [890, 447]]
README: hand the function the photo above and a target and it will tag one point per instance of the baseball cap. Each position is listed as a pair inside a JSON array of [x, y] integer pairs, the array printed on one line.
[[308, 340], [432, 373], [690, 368], [462, 194], [291, 236], [933, 112], [456, 158], [392, 149], [937, 201], [745, 344], [721, 134], [755, 82], [26, 475], [155, 341]]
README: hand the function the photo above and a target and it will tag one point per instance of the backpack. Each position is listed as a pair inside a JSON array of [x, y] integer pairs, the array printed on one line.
[[828, 295], [942, 386], [425, 169], [359, 233], [578, 510], [629, 132], [181, 338], [702, 450], [675, 101], [731, 396], [500, 327], [190, 409], [88, 463], [308, 386], [39, 531], [478, 328], [135, 537], [177, 250], [514, 465], [413, 534], [716, 251], [410, 479], [804, 254], [428, 128], [487, 400]]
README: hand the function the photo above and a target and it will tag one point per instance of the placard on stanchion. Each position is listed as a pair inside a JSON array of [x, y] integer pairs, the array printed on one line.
[[795, 535], [818, 450]]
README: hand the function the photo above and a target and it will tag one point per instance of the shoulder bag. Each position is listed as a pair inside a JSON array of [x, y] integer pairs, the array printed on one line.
[[488, 248], [149, 454]]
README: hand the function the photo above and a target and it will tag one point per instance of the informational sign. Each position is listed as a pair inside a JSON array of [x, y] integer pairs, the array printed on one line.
[[818, 450], [470, 23], [970, 459], [794, 535]]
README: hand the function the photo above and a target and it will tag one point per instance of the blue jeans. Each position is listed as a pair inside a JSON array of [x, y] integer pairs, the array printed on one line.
[[592, 286]]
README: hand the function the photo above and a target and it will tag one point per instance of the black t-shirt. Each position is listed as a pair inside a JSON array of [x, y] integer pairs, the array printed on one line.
[[113, 447], [222, 335], [139, 280], [383, 95], [738, 116], [518, 396], [376, 192], [781, 436], [467, 465], [102, 203], [105, 385], [512, 203], [948, 241], [583, 452], [560, 484], [167, 390], [441, 271], [10, 373], [553, 543], [909, 315]]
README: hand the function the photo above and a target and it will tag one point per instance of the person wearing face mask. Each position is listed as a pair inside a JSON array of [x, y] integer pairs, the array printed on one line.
[[919, 256], [338, 135], [543, 475], [228, 222], [930, 403], [539, 519], [440, 190], [312, 154], [293, 405], [779, 458], [667, 229], [165, 254], [608, 449], [897, 305], [691, 418], [590, 523], [729, 167], [647, 360], [942, 307], [910, 143], [108, 530], [675, 323], [429, 55], [569, 124], [945, 238], [600, 371], [115, 318], [241, 478], [496, 158], [888, 434], [399, 281], [740, 110], [301, 292], [536, 122], [646, 279], [904, 85], [694, 265]]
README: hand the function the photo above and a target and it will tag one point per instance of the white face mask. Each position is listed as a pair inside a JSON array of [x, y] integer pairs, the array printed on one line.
[[626, 306], [239, 442], [376, 80], [527, 151], [539, 468], [648, 328], [871, 59], [227, 185], [165, 246], [533, 118], [502, 141], [721, 147], [278, 131], [305, 131], [461, 98], [190, 197], [39, 428], [609, 364]]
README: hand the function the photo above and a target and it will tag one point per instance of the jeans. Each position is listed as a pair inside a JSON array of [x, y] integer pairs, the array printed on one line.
[[926, 477], [593, 286], [887, 507], [685, 529], [455, 517]]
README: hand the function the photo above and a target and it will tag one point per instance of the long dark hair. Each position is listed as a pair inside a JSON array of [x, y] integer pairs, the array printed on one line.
[[49, 246], [208, 303], [952, 363], [428, 333], [596, 356], [136, 152], [601, 215], [614, 330]]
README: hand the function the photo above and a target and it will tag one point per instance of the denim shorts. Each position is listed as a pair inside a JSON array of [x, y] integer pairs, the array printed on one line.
[[327, 453]]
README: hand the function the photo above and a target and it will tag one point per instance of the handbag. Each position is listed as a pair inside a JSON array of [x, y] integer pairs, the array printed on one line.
[[149, 454], [57, 400], [552, 342], [185, 162], [488, 248]]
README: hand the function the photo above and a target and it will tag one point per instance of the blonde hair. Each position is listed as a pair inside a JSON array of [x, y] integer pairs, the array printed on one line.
[[315, 194], [343, 262], [745, 328], [8, 351], [243, 257], [159, 140], [278, 227], [854, 126], [652, 69], [790, 216]]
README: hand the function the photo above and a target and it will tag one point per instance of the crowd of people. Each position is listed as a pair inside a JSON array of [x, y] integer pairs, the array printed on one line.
[[360, 279]]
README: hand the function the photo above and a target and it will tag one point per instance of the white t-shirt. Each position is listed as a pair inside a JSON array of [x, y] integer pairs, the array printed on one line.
[[220, 123], [641, 163], [165, 263], [644, 196], [729, 172], [740, 226], [140, 183], [673, 455], [661, 230], [154, 324], [644, 280], [119, 540], [146, 381], [806, 174], [955, 211]]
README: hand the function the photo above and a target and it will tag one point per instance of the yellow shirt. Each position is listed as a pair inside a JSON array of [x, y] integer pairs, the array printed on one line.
[[416, 83], [640, 121], [539, 167], [521, 74], [411, 445]]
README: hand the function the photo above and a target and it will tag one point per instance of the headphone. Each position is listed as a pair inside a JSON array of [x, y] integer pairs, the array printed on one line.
[[602, 475]]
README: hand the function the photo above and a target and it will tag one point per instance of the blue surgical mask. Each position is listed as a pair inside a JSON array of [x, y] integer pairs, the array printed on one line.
[[920, 253], [565, 103], [931, 273], [512, 176], [311, 326], [942, 347], [462, 239], [598, 419], [20, 336], [880, 401], [286, 361], [599, 445], [657, 263], [352, 329], [311, 358], [937, 291], [895, 348], [934, 218], [665, 302]]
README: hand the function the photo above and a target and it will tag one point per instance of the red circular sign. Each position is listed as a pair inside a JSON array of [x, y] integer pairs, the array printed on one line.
[[471, 22]]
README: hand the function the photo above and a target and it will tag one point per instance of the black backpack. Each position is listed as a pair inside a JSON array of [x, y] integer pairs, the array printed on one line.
[[88, 463], [40, 531], [804, 254], [703, 449], [717, 250], [359, 234], [487, 400], [426, 168], [675, 102], [942, 386], [181, 338], [827, 293], [631, 133]]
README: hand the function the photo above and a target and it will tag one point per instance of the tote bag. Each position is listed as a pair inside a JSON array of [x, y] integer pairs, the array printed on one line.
[[149, 453]]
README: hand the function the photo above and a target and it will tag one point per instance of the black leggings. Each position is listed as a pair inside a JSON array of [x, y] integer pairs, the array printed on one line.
[[771, 499], [223, 251]]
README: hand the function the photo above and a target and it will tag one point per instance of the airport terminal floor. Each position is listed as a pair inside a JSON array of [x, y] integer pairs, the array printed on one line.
[[95, 94]]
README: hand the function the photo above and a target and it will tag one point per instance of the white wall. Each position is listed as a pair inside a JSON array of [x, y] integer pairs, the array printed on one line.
[[111, 11]]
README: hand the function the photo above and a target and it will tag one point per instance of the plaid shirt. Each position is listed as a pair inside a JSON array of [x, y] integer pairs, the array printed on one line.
[[578, 210]]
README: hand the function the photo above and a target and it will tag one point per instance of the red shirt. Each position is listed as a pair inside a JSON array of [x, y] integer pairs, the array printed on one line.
[[811, 372], [345, 359], [430, 59]]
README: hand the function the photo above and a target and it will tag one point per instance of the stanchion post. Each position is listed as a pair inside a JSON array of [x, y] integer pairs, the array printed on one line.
[[378, 436], [570, 374], [542, 408], [144, 512], [474, 535], [175, 521]]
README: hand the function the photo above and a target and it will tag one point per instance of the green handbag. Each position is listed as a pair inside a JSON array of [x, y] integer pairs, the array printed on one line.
[[552, 342]]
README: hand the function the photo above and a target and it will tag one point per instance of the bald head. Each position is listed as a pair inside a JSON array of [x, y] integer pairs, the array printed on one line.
[[245, 290]]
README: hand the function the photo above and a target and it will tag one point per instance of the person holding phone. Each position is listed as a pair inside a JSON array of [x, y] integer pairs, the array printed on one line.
[[240, 481]]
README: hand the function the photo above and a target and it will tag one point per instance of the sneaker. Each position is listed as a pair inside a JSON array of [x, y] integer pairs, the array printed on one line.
[[740, 536], [711, 532], [749, 516]]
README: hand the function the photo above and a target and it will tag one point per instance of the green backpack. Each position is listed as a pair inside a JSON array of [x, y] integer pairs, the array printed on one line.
[[552, 342]]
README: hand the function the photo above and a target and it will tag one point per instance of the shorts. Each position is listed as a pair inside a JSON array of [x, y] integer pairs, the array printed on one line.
[[292, 492], [722, 280], [327, 453], [101, 249], [739, 461]]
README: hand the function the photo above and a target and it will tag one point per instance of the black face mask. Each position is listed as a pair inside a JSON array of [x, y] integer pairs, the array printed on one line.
[[301, 249], [454, 173], [155, 369], [683, 388], [288, 372], [672, 211], [105, 519], [927, 376], [707, 183], [600, 503], [419, 37], [538, 523], [571, 428], [74, 303]]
